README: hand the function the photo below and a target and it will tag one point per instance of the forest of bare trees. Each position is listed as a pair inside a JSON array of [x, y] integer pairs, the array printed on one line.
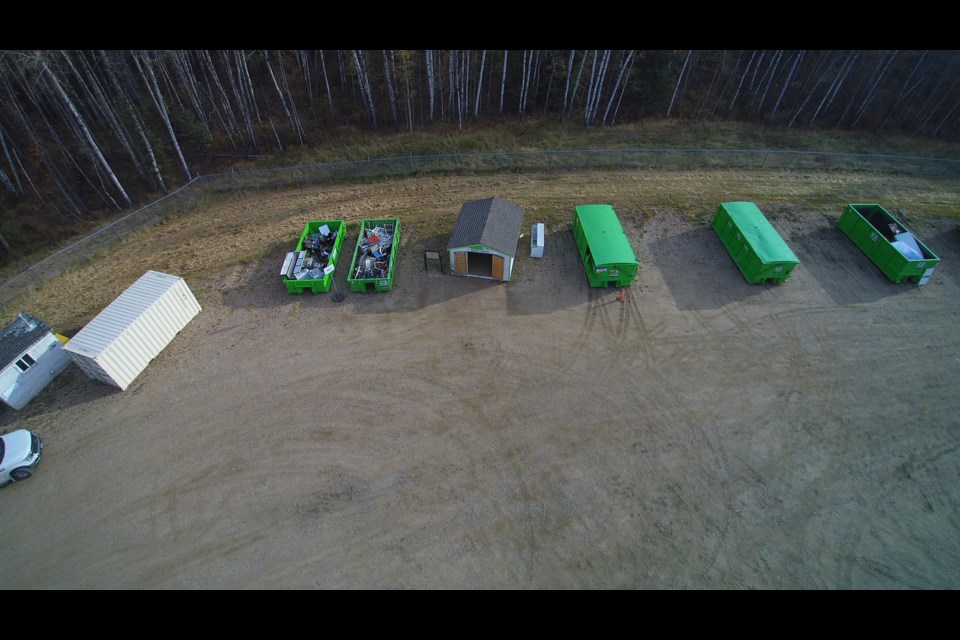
[[93, 131]]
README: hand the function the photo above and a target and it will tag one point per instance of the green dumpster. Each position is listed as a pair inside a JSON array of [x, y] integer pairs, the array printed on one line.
[[888, 243], [319, 246], [605, 251], [755, 246], [375, 256]]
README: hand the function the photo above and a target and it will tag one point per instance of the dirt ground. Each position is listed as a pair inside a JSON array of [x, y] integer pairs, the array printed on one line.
[[458, 433]]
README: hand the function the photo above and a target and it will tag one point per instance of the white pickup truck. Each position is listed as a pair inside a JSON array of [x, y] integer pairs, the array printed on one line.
[[19, 453]]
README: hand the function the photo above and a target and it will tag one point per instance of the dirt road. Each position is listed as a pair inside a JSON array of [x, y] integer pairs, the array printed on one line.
[[455, 433]]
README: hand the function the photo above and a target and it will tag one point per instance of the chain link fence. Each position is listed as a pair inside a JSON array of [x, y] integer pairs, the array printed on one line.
[[480, 162]]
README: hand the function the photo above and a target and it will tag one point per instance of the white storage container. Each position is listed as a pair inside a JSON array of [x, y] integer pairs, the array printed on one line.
[[536, 241], [122, 339]]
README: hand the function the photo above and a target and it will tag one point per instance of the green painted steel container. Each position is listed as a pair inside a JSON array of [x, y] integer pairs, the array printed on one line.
[[874, 230], [318, 285], [605, 251], [369, 271], [755, 246]]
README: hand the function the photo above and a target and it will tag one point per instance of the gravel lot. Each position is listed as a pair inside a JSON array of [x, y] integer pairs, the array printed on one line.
[[458, 433]]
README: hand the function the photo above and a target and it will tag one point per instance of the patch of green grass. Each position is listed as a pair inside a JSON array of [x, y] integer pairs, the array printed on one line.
[[351, 143]]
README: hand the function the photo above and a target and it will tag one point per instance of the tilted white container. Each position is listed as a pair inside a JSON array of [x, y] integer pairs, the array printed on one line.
[[122, 339]]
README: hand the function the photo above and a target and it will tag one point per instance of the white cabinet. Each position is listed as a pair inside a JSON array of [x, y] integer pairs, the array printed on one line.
[[536, 241]]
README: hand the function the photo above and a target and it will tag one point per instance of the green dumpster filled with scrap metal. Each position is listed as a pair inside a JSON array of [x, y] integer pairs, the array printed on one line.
[[319, 247], [755, 246], [605, 251], [888, 243], [375, 257]]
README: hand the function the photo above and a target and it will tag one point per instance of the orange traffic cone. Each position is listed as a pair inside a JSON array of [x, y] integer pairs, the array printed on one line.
[[621, 297]]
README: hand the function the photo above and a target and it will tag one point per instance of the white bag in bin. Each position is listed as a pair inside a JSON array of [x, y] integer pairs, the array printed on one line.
[[908, 252], [908, 239]]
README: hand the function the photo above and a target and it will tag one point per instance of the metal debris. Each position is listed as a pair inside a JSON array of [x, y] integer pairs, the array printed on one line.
[[374, 258], [310, 263]]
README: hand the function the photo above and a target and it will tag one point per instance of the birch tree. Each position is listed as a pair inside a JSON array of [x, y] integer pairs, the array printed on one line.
[[576, 84], [94, 147], [503, 81], [236, 86], [364, 80], [679, 80], [18, 189], [834, 87], [391, 94], [430, 82], [873, 91], [566, 91], [224, 100], [624, 64], [716, 75], [746, 71], [97, 97], [326, 81], [786, 84], [146, 70], [283, 101], [905, 91], [134, 117], [476, 104]]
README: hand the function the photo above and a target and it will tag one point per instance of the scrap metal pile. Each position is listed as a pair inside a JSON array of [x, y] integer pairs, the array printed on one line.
[[310, 262], [373, 260]]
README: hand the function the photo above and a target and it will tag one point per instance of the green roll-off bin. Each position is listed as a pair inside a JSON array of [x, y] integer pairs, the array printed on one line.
[[755, 246], [605, 251], [320, 284], [375, 256], [888, 243]]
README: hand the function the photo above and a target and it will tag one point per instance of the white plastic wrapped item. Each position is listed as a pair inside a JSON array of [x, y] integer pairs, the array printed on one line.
[[908, 252], [907, 238]]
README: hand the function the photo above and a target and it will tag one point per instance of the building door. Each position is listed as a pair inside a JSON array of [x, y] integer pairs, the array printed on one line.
[[498, 267], [460, 263]]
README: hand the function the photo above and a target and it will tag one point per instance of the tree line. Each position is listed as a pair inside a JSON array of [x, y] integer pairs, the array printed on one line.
[[93, 130]]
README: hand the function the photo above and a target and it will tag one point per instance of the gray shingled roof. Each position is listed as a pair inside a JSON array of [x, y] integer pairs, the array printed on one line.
[[492, 222], [18, 336]]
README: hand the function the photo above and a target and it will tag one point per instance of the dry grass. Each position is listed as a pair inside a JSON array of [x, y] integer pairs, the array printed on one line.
[[240, 228]]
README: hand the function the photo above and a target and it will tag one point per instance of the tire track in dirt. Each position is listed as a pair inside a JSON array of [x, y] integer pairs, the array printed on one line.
[[641, 336], [589, 320], [658, 398]]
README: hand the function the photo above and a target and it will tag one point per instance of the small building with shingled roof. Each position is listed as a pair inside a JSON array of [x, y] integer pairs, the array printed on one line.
[[484, 240]]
